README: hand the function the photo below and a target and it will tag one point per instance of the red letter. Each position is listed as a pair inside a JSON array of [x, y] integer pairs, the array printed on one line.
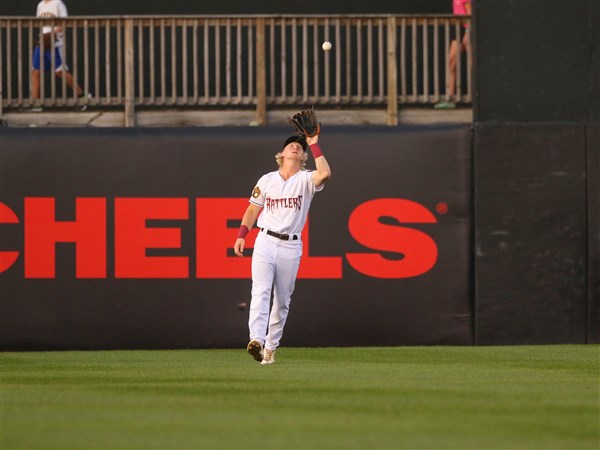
[[42, 232], [317, 266], [7, 259], [214, 238], [419, 250], [132, 238]]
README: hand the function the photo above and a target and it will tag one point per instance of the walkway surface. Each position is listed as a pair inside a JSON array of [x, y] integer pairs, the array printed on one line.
[[230, 117]]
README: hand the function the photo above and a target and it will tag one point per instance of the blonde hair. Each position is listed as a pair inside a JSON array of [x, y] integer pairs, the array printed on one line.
[[279, 159]]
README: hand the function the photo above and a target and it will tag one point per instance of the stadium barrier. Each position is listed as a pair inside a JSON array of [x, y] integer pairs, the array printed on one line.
[[129, 245]]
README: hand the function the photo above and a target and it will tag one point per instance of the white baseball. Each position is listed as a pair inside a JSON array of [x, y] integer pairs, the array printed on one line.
[[326, 46]]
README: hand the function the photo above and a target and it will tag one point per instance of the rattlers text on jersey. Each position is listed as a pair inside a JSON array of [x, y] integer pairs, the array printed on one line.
[[285, 203]]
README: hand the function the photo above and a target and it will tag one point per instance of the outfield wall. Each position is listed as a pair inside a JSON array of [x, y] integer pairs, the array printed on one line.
[[536, 172], [531, 210], [122, 238]]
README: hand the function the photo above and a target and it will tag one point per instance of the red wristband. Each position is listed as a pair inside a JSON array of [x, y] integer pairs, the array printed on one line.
[[243, 232], [316, 151]]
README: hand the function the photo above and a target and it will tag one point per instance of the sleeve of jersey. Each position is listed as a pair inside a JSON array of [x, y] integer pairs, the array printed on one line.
[[311, 186], [258, 197]]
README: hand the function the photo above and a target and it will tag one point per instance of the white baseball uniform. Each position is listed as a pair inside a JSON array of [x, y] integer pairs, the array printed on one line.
[[275, 260]]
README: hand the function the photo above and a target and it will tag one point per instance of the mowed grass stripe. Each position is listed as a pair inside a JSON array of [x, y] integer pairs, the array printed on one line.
[[529, 397]]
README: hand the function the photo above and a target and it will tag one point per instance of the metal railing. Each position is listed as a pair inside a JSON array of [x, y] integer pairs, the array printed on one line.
[[156, 61]]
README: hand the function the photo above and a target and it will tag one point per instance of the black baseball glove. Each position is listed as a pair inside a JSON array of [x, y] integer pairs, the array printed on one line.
[[306, 123]]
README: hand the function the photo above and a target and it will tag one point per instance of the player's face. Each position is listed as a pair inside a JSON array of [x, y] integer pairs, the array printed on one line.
[[293, 150]]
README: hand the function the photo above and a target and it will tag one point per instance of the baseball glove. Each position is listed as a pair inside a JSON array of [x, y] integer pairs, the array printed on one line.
[[306, 123]]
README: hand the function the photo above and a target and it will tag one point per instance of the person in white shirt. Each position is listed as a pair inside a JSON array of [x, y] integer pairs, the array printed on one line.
[[284, 197], [52, 9]]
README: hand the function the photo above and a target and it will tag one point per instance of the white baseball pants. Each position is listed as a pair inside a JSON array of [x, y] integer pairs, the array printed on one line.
[[275, 265]]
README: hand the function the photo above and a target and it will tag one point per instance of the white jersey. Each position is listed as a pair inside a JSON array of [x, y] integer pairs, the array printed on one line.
[[52, 9], [285, 203]]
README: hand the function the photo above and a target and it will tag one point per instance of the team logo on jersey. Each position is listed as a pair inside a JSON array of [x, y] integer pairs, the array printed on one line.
[[291, 203], [256, 192]]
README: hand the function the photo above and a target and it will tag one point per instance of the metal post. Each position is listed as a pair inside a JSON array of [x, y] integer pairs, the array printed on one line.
[[261, 74], [129, 75], [392, 73]]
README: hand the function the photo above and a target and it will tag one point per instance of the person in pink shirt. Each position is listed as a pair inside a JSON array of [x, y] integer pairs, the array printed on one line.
[[459, 8]]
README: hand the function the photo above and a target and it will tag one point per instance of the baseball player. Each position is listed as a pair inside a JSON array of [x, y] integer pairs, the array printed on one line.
[[457, 46], [283, 197]]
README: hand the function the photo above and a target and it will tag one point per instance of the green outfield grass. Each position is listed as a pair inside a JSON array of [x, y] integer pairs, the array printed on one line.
[[542, 397]]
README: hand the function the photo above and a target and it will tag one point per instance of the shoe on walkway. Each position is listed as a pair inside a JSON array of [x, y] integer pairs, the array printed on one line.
[[255, 349], [445, 105], [269, 357], [83, 98]]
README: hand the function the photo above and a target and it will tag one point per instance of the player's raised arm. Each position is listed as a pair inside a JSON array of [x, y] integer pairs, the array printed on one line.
[[323, 172], [248, 222], [307, 124]]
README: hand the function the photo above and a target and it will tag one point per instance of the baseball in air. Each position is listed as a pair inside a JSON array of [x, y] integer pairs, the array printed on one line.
[[326, 46]]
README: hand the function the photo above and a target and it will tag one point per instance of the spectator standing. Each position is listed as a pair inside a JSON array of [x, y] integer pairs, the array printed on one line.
[[52, 9], [459, 8]]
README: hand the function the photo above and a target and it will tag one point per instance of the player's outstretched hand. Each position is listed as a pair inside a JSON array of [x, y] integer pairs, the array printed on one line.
[[238, 247]]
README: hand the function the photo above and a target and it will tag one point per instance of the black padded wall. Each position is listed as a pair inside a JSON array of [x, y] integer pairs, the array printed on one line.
[[536, 171], [537, 61], [593, 186], [122, 238], [530, 216]]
